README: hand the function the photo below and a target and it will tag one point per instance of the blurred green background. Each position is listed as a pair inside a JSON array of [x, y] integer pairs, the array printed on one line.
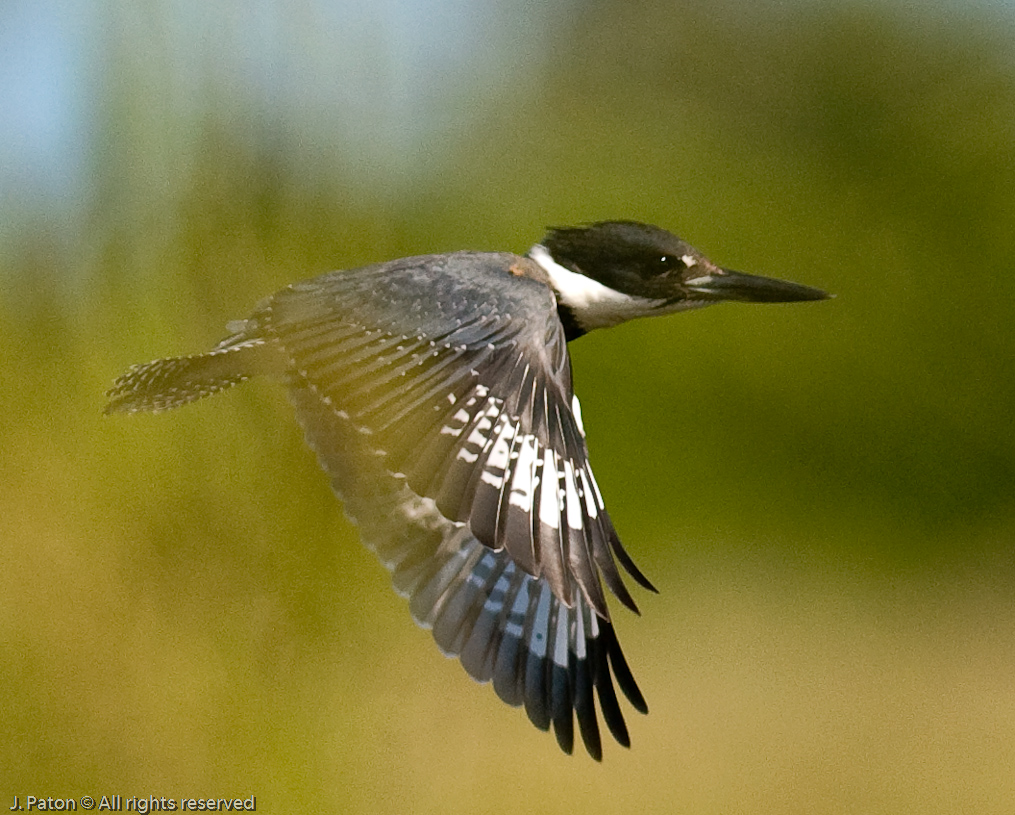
[[822, 492]]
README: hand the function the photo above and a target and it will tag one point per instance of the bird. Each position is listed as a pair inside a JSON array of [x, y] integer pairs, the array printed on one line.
[[436, 391]]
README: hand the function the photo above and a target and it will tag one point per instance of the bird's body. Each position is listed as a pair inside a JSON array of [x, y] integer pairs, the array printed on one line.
[[436, 391]]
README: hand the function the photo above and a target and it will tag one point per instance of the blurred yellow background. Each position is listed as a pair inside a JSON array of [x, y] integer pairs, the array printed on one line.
[[824, 494]]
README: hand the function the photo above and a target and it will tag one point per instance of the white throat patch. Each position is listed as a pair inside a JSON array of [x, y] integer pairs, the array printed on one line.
[[593, 304]]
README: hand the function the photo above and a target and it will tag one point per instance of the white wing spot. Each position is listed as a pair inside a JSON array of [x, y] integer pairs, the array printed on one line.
[[476, 437], [500, 455], [494, 481], [523, 484], [576, 409], [572, 501], [549, 510]]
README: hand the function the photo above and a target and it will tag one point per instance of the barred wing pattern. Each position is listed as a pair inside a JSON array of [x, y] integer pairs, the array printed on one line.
[[454, 439], [466, 467], [503, 624]]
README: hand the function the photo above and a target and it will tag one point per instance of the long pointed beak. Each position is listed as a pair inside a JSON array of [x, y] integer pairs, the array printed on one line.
[[725, 284]]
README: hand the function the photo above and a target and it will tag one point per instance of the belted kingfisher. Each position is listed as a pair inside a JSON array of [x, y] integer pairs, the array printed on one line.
[[436, 391]]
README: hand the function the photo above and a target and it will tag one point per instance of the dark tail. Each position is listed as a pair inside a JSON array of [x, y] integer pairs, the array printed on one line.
[[169, 383]]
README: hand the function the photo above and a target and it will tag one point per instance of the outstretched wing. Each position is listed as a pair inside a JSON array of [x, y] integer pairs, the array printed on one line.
[[505, 626], [437, 394], [456, 366]]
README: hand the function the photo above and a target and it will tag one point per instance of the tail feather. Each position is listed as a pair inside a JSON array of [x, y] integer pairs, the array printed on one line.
[[168, 383]]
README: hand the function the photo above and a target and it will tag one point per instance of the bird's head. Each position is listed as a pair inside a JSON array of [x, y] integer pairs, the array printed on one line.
[[612, 271]]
